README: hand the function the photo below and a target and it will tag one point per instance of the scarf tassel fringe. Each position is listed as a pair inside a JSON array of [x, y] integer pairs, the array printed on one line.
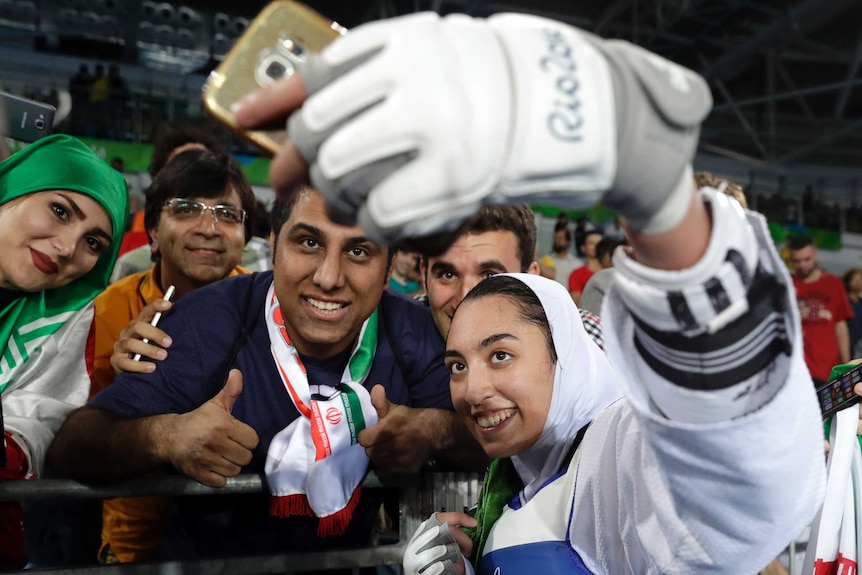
[[290, 506], [329, 526], [336, 524]]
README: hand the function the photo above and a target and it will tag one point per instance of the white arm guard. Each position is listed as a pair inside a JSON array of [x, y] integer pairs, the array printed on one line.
[[712, 332], [414, 123]]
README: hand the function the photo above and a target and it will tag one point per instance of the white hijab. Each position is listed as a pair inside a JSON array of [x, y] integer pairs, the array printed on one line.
[[584, 385]]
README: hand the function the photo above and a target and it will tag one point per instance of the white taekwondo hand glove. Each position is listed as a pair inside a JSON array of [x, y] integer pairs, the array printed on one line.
[[432, 550], [413, 123]]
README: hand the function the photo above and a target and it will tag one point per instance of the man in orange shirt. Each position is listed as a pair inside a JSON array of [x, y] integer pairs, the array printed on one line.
[[195, 217]]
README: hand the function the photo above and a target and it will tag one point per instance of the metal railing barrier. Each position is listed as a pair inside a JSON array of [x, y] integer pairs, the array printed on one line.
[[419, 496]]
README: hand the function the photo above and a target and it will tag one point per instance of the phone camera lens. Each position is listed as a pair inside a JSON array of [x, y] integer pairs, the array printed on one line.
[[40, 124], [275, 70]]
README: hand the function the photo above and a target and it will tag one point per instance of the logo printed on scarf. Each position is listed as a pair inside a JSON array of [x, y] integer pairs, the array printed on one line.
[[333, 416]]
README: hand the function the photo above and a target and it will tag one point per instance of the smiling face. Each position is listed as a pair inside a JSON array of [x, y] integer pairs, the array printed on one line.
[[472, 258], [502, 374], [50, 239], [328, 278], [196, 252]]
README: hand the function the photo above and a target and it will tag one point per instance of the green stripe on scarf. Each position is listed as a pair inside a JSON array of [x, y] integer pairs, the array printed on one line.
[[353, 411], [360, 362], [59, 162]]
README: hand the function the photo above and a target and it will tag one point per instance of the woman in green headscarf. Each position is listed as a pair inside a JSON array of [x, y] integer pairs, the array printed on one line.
[[62, 215]]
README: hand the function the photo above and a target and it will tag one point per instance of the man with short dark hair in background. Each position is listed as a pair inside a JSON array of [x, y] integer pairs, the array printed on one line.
[[579, 278], [561, 258], [823, 308], [498, 239]]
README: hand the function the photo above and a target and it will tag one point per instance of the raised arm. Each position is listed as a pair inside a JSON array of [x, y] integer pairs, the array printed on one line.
[[702, 323]]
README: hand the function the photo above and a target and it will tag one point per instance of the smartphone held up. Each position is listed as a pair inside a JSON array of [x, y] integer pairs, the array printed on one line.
[[24, 119], [272, 47]]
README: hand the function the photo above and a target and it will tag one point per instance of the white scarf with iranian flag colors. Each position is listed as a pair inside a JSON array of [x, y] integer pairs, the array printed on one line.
[[315, 465], [836, 533]]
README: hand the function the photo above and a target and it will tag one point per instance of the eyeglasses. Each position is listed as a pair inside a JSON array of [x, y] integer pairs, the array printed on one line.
[[183, 209]]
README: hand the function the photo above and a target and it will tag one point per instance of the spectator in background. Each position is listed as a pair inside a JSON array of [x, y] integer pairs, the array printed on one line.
[[79, 90], [404, 275], [583, 226], [193, 247], [171, 140], [615, 230], [118, 97], [601, 281], [561, 258], [498, 239], [732, 189], [135, 254], [580, 276], [824, 309], [563, 220], [547, 267], [99, 108], [853, 285]]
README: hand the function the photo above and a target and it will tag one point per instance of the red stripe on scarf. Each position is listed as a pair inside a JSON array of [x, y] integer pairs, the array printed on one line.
[[303, 409]]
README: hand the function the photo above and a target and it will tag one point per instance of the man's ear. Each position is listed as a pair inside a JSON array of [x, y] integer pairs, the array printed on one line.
[[154, 241], [534, 268]]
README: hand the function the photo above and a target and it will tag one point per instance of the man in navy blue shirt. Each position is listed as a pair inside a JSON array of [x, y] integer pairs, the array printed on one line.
[[328, 279]]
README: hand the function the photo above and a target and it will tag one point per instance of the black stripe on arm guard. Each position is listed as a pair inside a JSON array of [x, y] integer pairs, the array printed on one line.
[[734, 353], [718, 323]]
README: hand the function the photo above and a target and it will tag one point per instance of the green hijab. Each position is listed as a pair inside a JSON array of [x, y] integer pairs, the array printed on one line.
[[57, 162]]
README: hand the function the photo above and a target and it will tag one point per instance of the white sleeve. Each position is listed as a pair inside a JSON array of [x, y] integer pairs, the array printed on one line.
[[715, 339], [705, 479], [52, 383]]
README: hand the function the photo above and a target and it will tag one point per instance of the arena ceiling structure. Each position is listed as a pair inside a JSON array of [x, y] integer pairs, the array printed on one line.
[[786, 75]]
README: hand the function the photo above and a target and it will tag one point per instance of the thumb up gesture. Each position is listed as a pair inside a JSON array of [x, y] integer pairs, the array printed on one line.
[[209, 444]]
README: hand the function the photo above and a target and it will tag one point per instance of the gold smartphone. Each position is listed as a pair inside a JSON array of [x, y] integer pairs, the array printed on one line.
[[272, 46]]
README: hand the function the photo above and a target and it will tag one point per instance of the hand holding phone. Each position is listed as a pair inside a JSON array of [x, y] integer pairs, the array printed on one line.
[[272, 48], [838, 393]]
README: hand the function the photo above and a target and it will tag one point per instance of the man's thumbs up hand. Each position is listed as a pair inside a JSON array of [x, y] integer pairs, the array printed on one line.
[[209, 444], [397, 443]]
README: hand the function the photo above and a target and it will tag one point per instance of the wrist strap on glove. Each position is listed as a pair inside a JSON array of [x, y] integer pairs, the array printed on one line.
[[432, 550]]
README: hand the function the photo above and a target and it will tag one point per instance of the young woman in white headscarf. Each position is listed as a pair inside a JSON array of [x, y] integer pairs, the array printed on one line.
[[678, 459]]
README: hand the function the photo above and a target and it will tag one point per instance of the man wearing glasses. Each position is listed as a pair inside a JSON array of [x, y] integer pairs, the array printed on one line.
[[195, 216]]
